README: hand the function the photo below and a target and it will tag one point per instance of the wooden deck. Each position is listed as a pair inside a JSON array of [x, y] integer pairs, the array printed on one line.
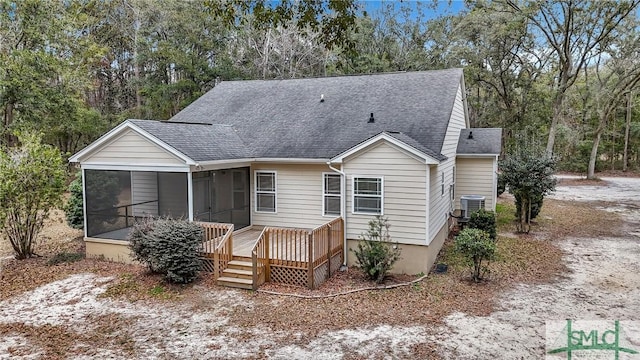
[[244, 240], [250, 257]]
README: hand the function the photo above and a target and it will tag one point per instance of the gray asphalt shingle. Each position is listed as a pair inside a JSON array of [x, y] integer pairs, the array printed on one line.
[[481, 141], [200, 142], [286, 119]]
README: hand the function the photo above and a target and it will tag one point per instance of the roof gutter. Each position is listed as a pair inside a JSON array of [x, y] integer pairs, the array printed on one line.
[[343, 208]]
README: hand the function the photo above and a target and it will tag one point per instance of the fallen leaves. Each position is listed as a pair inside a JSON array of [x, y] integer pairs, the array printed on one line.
[[530, 258]]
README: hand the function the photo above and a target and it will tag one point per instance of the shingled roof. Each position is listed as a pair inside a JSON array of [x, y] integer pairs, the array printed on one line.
[[480, 141], [287, 119], [200, 142]]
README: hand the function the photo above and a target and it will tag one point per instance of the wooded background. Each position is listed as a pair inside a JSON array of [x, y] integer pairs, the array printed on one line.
[[560, 76]]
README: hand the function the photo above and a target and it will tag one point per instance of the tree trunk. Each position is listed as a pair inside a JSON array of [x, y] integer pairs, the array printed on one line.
[[591, 170], [8, 120], [625, 154], [557, 114], [265, 63]]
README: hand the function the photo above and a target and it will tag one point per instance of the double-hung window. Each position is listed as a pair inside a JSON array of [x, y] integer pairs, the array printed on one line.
[[265, 186], [331, 194], [367, 195]]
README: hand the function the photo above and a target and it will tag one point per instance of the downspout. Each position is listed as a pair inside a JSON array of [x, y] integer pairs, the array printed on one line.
[[343, 208]]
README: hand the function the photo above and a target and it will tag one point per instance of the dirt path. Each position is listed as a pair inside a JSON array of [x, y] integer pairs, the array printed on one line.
[[604, 284]]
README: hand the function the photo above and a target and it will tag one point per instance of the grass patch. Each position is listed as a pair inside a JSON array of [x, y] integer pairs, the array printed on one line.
[[144, 286], [505, 215], [65, 257]]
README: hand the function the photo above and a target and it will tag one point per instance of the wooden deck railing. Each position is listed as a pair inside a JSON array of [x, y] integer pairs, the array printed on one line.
[[260, 259], [217, 245], [298, 256], [328, 243]]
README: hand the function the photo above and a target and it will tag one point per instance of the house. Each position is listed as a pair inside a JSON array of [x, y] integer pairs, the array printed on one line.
[[273, 160]]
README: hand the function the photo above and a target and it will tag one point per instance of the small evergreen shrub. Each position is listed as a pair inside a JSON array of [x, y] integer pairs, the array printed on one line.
[[477, 248], [376, 252], [170, 247], [139, 242], [74, 207], [484, 220]]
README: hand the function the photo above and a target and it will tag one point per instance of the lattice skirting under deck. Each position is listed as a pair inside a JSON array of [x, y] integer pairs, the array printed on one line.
[[286, 275]]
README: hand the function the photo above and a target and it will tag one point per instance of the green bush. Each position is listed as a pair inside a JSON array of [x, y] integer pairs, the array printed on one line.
[[170, 247], [484, 220], [32, 182], [139, 242], [376, 252], [74, 207], [501, 185], [477, 248]]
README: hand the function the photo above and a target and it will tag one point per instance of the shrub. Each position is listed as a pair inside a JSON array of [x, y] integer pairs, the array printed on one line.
[[529, 177], [484, 220], [376, 253], [74, 207], [32, 181], [477, 248], [501, 185], [170, 247], [139, 242]]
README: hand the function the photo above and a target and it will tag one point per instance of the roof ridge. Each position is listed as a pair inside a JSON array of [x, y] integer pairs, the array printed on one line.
[[342, 75]]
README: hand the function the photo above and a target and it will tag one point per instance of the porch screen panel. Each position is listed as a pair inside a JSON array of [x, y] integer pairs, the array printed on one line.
[[172, 195], [108, 196]]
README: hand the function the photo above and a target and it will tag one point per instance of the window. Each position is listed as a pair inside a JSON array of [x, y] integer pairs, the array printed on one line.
[[266, 191], [453, 183], [442, 183], [331, 194], [367, 195]]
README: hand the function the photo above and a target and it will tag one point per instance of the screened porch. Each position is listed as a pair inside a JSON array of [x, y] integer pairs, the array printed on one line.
[[116, 199]]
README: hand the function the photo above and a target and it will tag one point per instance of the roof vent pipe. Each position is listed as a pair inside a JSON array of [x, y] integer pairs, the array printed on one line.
[[321, 97], [470, 135], [371, 119]]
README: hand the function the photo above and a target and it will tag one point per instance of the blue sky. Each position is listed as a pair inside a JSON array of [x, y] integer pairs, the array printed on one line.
[[443, 6]]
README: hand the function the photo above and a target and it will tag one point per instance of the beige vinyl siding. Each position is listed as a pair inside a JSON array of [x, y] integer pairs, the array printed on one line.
[[476, 176], [440, 205], [144, 187], [131, 148], [404, 195], [298, 196]]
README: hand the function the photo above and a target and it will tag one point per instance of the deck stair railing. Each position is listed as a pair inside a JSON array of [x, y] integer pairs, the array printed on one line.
[[298, 256], [217, 247]]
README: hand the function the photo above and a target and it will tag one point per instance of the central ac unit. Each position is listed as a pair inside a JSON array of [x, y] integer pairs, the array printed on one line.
[[470, 204]]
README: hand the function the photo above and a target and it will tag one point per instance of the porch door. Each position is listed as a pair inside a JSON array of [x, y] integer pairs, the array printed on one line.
[[241, 207], [202, 199]]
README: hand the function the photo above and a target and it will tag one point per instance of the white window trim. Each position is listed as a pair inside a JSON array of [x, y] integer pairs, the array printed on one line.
[[275, 192], [324, 194], [353, 194]]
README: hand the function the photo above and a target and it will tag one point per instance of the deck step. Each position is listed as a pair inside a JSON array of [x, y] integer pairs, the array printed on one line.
[[238, 273], [240, 265], [242, 258], [235, 282]]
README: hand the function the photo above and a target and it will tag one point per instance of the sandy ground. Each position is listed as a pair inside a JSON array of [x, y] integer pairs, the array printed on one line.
[[604, 283]]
